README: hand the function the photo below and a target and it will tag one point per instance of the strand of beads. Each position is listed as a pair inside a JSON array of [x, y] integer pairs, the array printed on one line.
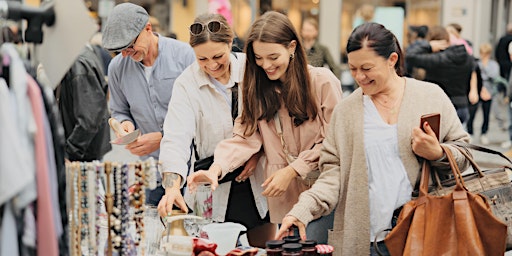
[[151, 171], [128, 245], [137, 198], [91, 199], [84, 207], [73, 170], [116, 211]]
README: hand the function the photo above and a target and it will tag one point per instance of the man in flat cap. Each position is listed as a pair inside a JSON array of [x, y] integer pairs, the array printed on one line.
[[141, 78]]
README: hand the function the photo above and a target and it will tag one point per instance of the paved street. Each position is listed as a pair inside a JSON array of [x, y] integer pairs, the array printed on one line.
[[496, 136]]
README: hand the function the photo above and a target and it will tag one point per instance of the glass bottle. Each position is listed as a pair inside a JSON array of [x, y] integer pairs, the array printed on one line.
[[308, 248], [292, 249], [274, 247]]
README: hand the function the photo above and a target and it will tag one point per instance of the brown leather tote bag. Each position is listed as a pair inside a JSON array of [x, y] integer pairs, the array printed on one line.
[[459, 223]]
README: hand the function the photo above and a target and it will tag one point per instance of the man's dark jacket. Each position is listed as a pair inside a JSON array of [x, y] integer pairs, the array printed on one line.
[[451, 69], [502, 55], [82, 97]]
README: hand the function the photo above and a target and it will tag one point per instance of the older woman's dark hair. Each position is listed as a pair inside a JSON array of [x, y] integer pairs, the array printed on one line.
[[224, 35], [378, 38]]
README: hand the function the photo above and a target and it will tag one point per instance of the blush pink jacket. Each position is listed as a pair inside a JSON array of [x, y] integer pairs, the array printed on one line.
[[303, 141]]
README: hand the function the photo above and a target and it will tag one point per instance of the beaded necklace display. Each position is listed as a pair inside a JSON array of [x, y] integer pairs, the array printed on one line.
[[137, 198]]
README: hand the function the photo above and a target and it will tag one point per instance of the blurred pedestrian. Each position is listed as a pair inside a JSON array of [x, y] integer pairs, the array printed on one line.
[[141, 78], [455, 31], [318, 54], [449, 66], [286, 110], [414, 35], [489, 70], [82, 98], [502, 55]]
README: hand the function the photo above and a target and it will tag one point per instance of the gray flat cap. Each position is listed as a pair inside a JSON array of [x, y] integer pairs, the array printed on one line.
[[124, 24]]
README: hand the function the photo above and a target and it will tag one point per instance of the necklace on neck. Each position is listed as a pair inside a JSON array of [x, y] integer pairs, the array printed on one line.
[[393, 109]]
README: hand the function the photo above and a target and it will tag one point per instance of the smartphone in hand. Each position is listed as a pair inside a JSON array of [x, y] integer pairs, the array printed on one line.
[[434, 120]]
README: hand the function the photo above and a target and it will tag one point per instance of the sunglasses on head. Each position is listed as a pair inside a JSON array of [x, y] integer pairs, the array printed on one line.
[[212, 26]]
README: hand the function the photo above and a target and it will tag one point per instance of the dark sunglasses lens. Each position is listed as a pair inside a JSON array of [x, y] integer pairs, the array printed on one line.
[[214, 26], [196, 28]]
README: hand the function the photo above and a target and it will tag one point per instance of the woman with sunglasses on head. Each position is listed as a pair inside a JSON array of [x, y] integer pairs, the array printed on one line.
[[201, 113], [286, 110]]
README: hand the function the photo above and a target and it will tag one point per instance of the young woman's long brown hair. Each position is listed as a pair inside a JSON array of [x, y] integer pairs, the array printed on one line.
[[262, 97]]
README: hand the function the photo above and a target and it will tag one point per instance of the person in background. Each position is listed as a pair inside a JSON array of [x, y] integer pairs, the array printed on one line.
[[286, 110], [454, 30], [318, 54], [201, 112], [82, 99], [141, 78], [415, 34], [502, 54], [489, 69], [369, 159], [449, 66]]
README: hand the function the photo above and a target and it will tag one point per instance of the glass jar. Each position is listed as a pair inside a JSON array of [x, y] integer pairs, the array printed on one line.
[[153, 228], [292, 249], [291, 239], [324, 249], [274, 247], [308, 248]]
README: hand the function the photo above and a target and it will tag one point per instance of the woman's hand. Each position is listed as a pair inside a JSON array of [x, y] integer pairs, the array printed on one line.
[[249, 167], [485, 95], [473, 97], [278, 182], [425, 144], [210, 176], [287, 223], [172, 196]]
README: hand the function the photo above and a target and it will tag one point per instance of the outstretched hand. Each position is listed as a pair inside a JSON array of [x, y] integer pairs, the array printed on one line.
[[172, 196], [286, 226], [204, 176]]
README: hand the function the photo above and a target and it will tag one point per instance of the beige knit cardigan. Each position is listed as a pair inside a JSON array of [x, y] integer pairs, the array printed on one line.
[[343, 184]]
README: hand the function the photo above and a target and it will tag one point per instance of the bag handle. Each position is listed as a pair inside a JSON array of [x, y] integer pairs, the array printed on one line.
[[425, 173], [455, 169], [482, 149]]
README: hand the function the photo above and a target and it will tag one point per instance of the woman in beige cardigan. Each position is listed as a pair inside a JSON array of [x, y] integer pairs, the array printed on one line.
[[279, 88], [369, 160]]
